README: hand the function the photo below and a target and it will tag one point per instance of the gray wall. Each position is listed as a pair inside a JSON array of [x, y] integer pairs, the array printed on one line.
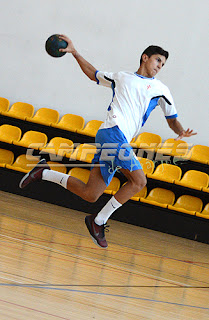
[[111, 35]]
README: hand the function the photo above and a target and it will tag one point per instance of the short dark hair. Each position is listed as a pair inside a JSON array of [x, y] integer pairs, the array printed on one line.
[[149, 51]]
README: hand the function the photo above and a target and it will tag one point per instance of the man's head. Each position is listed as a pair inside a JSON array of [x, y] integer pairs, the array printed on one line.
[[151, 50], [152, 60]]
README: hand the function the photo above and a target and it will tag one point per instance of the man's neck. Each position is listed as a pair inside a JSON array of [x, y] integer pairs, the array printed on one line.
[[142, 72]]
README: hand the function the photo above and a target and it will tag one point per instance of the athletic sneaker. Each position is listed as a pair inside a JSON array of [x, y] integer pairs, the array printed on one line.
[[35, 174], [96, 232]]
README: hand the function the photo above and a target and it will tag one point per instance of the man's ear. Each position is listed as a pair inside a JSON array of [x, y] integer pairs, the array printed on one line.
[[145, 57]]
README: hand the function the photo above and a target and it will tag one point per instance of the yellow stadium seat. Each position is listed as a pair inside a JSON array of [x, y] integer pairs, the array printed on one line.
[[24, 163], [113, 187], [205, 189], [4, 105], [20, 110], [45, 116], [59, 146], [147, 140], [166, 172], [83, 175], [194, 179], [9, 133], [199, 153], [147, 165], [91, 128], [159, 197], [70, 122], [33, 140], [60, 167], [174, 147], [204, 213], [138, 195], [187, 204], [6, 157], [84, 152]]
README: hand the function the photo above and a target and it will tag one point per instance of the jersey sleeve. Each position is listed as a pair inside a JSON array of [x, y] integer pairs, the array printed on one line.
[[105, 79], [167, 105]]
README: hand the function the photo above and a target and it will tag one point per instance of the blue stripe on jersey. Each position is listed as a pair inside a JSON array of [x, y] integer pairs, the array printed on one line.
[[171, 117], [153, 103], [96, 76], [138, 75]]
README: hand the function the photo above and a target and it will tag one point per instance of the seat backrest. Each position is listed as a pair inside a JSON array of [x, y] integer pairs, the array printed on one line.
[[147, 140], [47, 115], [162, 196], [147, 165], [175, 147], [4, 104], [199, 153], [6, 156], [92, 127], [189, 203], [84, 152], [9, 133], [60, 167], [21, 110], [168, 170], [60, 146], [26, 162], [80, 173], [72, 121], [206, 209], [114, 185], [34, 137], [196, 178]]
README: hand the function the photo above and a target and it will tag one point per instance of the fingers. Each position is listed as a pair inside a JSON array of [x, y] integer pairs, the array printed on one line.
[[187, 133]]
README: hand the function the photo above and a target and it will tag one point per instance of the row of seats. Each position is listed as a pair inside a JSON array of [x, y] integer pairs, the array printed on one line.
[[85, 152], [49, 117], [75, 123], [157, 196]]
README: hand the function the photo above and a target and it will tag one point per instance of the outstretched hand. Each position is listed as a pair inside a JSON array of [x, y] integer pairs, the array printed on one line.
[[70, 47], [186, 134]]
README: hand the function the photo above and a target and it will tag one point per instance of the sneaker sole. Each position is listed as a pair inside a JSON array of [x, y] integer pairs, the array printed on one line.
[[23, 179]]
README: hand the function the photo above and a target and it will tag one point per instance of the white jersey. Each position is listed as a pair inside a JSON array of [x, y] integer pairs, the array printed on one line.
[[134, 97]]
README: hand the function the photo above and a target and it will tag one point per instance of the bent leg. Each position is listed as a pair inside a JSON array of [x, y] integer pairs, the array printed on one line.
[[90, 191], [136, 182]]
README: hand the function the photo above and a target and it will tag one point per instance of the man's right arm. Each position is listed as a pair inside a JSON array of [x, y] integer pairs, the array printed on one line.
[[85, 66]]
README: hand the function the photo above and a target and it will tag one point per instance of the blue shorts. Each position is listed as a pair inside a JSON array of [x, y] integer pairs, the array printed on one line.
[[115, 153]]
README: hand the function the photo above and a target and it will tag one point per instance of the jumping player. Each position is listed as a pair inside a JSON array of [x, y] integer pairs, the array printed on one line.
[[135, 95]]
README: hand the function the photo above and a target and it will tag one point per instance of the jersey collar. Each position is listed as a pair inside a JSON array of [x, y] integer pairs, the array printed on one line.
[[138, 75]]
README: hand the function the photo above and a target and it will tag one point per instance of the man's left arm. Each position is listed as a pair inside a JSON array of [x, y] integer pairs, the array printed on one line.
[[176, 126]]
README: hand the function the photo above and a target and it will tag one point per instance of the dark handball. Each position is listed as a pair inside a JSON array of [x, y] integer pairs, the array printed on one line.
[[53, 44]]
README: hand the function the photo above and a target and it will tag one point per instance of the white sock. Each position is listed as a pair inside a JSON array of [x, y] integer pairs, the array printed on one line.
[[106, 211], [56, 177]]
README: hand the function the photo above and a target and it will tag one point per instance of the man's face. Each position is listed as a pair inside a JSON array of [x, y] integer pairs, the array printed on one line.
[[153, 64]]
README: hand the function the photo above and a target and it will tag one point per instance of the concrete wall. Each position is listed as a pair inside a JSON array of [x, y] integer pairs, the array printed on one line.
[[111, 35]]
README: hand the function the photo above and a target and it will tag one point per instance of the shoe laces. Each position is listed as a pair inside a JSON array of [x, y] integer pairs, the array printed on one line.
[[103, 229]]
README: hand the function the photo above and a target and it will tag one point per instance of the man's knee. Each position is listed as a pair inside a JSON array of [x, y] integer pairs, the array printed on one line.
[[90, 197], [139, 183]]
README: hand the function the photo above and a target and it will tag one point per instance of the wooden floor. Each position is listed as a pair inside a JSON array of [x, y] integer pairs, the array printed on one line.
[[51, 269]]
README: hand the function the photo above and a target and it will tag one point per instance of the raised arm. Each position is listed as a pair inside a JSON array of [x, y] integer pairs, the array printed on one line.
[[176, 126], [86, 67]]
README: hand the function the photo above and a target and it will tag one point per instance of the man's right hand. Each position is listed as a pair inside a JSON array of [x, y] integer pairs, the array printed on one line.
[[70, 47]]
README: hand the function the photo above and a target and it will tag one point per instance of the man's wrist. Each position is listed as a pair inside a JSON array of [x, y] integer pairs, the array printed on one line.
[[75, 54]]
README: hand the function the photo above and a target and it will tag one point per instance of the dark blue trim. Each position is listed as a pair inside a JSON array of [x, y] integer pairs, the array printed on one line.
[[138, 75], [96, 76], [153, 103], [171, 117]]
